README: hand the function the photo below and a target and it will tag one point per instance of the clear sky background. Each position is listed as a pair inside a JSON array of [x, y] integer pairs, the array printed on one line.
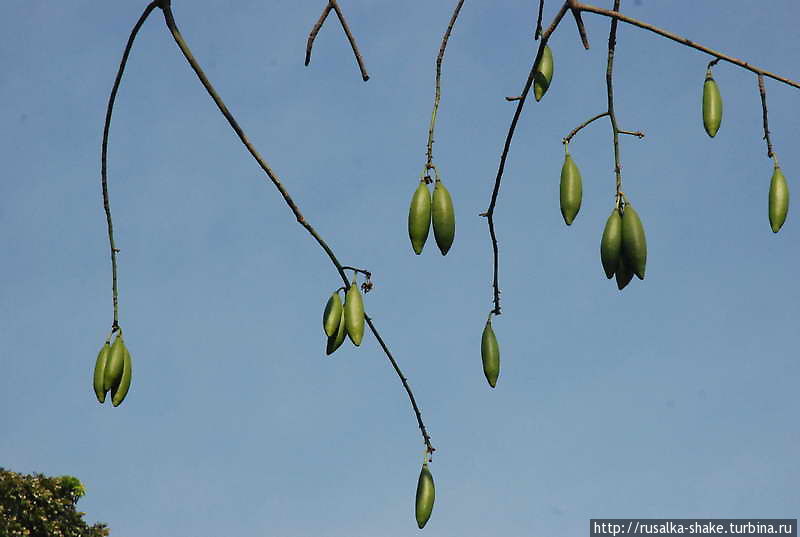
[[675, 398]]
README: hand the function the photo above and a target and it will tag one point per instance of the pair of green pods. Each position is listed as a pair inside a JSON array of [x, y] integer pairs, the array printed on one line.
[[339, 320], [426, 493], [490, 354], [543, 74], [712, 105], [778, 199], [425, 209], [113, 371], [623, 247], [570, 190]]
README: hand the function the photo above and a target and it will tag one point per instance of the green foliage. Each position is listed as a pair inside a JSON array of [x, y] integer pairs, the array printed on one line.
[[41, 506]]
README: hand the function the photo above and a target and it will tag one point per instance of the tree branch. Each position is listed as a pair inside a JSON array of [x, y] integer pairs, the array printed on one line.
[[538, 32], [438, 95], [104, 158], [763, 92], [173, 28], [575, 131], [504, 155], [612, 43], [579, 23], [684, 41], [333, 5]]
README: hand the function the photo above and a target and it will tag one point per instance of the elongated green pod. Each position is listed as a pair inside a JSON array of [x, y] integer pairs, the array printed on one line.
[[623, 273], [419, 217], [490, 354], [571, 190], [354, 314], [99, 372], [611, 243], [335, 341], [426, 493], [119, 391], [444, 218], [543, 74], [332, 315], [114, 363], [634, 243], [712, 105], [778, 200]]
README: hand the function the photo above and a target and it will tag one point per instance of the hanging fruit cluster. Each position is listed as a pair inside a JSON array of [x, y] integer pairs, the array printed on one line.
[[436, 209], [623, 247], [112, 371], [339, 320]]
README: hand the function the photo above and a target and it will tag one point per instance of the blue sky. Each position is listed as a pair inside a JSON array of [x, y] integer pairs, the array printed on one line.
[[675, 398]]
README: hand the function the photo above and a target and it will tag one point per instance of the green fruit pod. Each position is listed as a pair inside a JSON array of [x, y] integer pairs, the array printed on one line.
[[114, 364], [778, 200], [571, 190], [623, 273], [419, 217], [332, 315], [490, 354], [712, 106], [99, 372], [426, 493], [354, 314], [543, 74], [634, 243], [119, 391], [611, 243], [335, 341], [444, 218]]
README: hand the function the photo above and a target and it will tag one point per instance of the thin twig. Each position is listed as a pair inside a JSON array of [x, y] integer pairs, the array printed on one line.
[[438, 95], [638, 134], [579, 23], [612, 43], [684, 41], [332, 4], [575, 131], [104, 157], [173, 28], [504, 155], [763, 92], [315, 30], [512, 99], [538, 32], [365, 272]]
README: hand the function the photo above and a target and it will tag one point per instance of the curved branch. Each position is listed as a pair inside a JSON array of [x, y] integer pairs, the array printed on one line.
[[439, 58], [332, 4], [577, 129], [173, 28], [684, 41], [104, 157], [489, 214]]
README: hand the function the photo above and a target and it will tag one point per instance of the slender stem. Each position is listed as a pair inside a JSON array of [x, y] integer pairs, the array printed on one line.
[[333, 5], [763, 92], [315, 30], [439, 58], [489, 214], [684, 41], [638, 134], [575, 131], [612, 43], [579, 23], [104, 158], [365, 272], [173, 28], [538, 32]]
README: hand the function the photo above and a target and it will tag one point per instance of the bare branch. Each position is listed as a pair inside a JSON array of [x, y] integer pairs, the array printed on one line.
[[638, 134], [684, 41], [612, 43], [504, 155], [184, 47], [438, 95], [579, 23], [763, 92], [333, 5], [104, 157], [575, 131], [538, 32]]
